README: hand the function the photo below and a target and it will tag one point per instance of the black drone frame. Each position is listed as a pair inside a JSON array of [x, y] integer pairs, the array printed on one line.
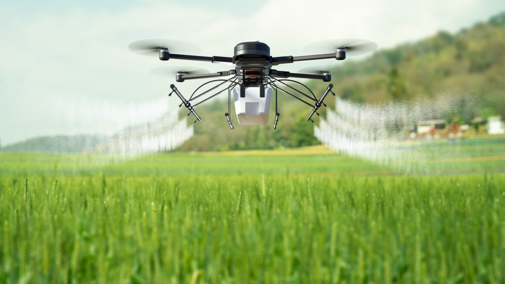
[[253, 68]]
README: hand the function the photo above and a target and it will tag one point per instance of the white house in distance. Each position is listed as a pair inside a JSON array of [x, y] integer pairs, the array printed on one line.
[[427, 125], [495, 125]]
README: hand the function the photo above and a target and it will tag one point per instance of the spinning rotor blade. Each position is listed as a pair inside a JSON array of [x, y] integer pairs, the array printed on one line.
[[314, 70], [170, 71], [151, 47], [352, 46]]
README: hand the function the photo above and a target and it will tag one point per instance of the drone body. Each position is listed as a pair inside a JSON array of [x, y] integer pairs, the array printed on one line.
[[253, 79]]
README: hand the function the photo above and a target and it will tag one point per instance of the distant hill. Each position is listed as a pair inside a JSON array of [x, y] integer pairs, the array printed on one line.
[[64, 144], [469, 62], [472, 59]]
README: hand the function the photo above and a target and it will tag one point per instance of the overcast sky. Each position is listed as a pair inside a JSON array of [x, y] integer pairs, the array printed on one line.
[[65, 67]]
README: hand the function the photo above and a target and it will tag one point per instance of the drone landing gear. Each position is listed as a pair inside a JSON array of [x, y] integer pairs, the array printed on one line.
[[184, 101]]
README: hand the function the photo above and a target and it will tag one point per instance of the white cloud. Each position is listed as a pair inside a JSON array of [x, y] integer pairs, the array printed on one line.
[[83, 53]]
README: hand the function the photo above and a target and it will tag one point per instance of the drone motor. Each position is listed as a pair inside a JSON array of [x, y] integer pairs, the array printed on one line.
[[251, 49], [164, 54], [340, 54]]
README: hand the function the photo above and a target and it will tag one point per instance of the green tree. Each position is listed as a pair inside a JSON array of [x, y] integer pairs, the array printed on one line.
[[304, 133], [486, 113], [397, 86]]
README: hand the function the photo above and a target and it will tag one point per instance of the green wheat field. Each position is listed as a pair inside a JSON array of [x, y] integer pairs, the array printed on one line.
[[300, 216]]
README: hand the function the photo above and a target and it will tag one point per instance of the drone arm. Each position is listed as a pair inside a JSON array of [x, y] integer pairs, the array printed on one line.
[[222, 59], [314, 57], [164, 55], [287, 74], [282, 60], [203, 76], [325, 78], [187, 57], [290, 59]]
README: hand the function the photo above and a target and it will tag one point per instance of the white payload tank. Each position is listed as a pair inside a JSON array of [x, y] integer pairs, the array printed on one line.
[[252, 109]]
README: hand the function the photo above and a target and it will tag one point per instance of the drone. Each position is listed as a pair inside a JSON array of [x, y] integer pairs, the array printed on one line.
[[253, 77]]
